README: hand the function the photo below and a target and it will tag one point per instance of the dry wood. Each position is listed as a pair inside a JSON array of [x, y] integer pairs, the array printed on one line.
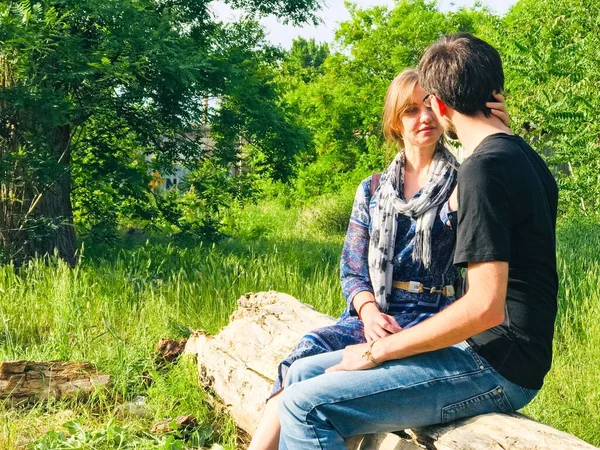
[[168, 350], [184, 424], [28, 380], [498, 431], [240, 364]]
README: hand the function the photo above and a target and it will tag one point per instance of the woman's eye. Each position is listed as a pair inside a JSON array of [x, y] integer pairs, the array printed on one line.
[[411, 110]]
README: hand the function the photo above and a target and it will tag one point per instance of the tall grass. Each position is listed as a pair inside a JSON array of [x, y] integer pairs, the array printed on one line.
[[115, 306], [570, 398]]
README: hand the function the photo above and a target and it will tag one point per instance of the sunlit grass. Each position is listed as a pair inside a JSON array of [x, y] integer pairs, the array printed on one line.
[[570, 398], [114, 307]]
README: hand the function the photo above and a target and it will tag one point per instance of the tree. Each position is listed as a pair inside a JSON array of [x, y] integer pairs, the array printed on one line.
[[342, 102], [81, 79], [303, 62], [552, 69]]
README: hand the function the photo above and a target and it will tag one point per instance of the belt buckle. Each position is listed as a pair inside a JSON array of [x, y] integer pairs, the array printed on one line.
[[414, 287], [449, 291]]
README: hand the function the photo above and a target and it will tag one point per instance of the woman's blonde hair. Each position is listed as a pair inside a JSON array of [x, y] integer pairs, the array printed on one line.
[[397, 100]]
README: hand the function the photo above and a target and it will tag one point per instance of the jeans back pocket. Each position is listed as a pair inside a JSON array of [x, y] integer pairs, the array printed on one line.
[[487, 402]]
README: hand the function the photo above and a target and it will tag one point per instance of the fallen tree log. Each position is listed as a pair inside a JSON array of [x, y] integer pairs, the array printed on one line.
[[239, 365], [22, 381]]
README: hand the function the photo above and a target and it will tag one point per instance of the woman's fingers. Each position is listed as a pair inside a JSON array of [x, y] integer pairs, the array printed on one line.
[[379, 332], [372, 336], [380, 327], [496, 108], [375, 332], [503, 116], [391, 324]]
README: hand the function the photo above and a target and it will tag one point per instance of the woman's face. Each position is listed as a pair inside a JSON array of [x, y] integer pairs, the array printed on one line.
[[420, 127]]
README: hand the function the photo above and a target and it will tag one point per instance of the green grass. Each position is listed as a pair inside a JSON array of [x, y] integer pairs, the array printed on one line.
[[570, 398], [114, 307]]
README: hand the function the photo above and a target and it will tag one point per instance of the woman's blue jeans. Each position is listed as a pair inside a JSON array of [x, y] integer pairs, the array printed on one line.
[[318, 409]]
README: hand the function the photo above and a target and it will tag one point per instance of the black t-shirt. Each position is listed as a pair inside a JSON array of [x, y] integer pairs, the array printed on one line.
[[507, 201]]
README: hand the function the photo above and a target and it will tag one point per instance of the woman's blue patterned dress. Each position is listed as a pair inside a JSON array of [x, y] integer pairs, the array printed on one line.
[[408, 308]]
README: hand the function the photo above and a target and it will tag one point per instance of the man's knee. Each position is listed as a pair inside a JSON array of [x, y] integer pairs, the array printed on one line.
[[310, 367], [300, 370], [293, 406]]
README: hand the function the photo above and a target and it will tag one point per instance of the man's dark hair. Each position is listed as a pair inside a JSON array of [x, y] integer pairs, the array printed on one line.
[[462, 71]]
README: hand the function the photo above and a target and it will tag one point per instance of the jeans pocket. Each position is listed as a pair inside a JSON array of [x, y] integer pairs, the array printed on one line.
[[487, 402]]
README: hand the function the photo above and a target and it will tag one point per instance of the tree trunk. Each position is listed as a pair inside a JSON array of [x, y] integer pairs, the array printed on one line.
[[36, 217], [55, 206], [239, 365], [11, 196]]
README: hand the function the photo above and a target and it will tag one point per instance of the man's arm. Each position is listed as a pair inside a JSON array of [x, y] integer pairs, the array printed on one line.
[[480, 309]]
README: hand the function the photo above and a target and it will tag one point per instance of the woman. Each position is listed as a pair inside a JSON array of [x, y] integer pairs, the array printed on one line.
[[396, 266]]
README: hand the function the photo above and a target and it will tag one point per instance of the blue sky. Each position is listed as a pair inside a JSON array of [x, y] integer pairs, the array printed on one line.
[[335, 12]]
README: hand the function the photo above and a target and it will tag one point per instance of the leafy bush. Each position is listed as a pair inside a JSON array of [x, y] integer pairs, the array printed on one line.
[[553, 72], [327, 214]]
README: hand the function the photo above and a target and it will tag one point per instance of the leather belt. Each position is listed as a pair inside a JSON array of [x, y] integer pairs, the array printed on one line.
[[417, 288]]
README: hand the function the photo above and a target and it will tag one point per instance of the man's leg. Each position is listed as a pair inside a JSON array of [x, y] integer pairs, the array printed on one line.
[[318, 409], [345, 332]]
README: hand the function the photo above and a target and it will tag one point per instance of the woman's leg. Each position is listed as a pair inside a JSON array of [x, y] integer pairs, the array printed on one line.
[[316, 412], [266, 436]]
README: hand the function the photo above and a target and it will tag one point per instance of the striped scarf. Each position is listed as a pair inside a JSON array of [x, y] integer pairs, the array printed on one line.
[[423, 208]]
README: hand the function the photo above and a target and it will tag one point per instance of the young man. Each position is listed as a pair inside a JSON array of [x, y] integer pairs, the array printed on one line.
[[507, 202], [488, 351]]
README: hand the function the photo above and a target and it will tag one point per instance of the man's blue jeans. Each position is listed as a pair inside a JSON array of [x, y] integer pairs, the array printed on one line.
[[318, 409]]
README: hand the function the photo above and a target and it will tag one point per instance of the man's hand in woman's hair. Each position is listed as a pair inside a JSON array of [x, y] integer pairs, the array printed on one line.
[[498, 108], [378, 325]]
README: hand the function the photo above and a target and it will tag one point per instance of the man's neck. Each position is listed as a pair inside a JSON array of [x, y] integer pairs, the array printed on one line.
[[472, 130]]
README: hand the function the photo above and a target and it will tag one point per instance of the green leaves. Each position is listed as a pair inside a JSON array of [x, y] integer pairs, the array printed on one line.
[[339, 96], [294, 11], [90, 89], [552, 65], [551, 56]]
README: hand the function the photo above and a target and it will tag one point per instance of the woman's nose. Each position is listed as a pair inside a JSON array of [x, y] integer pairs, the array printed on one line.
[[426, 115]]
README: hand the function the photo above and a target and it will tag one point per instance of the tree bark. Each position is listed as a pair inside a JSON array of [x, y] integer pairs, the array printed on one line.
[[22, 381], [55, 205], [37, 217], [239, 365]]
